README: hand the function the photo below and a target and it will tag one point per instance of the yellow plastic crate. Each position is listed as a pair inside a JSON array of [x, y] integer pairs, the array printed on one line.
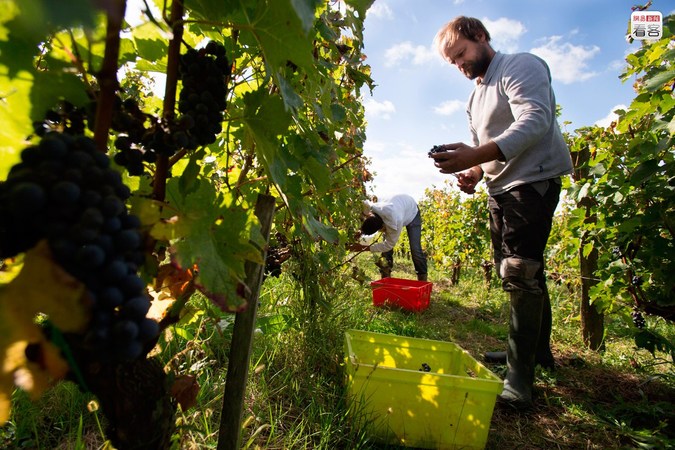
[[447, 407]]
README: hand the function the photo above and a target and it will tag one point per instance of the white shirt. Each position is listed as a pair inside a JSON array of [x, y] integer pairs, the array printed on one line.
[[396, 212]]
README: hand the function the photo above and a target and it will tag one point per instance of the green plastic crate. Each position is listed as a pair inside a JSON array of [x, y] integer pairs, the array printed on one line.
[[447, 407]]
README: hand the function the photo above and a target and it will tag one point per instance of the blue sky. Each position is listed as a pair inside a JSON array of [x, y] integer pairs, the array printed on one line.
[[419, 99]]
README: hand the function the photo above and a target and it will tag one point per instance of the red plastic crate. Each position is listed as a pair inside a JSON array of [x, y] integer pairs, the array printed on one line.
[[411, 295]]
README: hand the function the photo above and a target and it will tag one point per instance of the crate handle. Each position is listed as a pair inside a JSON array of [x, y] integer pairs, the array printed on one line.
[[398, 286]]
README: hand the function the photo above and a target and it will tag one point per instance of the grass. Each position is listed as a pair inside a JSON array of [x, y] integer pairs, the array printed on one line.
[[619, 399]]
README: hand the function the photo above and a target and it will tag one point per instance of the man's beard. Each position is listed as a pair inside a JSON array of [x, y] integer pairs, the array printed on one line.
[[478, 67]]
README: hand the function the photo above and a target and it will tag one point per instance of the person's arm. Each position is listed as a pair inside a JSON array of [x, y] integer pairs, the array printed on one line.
[[527, 83], [390, 239], [356, 247], [459, 156]]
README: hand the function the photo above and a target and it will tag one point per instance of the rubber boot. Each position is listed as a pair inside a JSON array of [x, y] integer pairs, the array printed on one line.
[[543, 356], [385, 272], [385, 263], [524, 325], [421, 277]]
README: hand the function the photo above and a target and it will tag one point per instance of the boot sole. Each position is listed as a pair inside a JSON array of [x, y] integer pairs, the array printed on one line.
[[498, 359], [514, 405]]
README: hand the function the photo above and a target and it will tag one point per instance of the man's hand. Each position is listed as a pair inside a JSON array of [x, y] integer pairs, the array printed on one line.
[[454, 157], [467, 180], [358, 247], [459, 156]]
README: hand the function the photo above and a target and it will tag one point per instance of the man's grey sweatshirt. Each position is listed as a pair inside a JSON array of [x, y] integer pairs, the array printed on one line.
[[514, 106]]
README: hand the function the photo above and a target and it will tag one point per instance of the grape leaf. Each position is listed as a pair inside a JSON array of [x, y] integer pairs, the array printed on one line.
[[40, 287], [280, 34], [659, 80], [266, 118], [210, 227], [361, 6], [171, 283], [305, 10]]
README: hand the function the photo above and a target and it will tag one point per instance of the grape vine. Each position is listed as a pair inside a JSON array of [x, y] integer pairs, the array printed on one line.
[[626, 189], [259, 98]]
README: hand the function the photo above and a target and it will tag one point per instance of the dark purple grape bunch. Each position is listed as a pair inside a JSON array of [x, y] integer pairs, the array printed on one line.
[[276, 255], [638, 319], [63, 118], [65, 191], [139, 145], [436, 149], [204, 74], [131, 142]]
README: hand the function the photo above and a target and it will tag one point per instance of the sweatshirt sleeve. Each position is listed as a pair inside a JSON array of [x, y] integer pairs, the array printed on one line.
[[526, 81], [390, 239]]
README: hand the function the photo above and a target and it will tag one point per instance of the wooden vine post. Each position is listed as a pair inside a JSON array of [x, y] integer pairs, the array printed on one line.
[[229, 434], [592, 320]]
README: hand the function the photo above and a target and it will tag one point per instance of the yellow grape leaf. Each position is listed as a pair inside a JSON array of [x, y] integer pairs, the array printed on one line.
[[171, 283], [10, 269], [28, 360]]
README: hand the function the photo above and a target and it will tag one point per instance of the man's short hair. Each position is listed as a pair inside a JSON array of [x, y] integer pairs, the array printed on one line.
[[461, 26], [371, 225]]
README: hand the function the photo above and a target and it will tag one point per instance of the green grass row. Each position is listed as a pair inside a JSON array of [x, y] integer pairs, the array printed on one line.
[[296, 391]]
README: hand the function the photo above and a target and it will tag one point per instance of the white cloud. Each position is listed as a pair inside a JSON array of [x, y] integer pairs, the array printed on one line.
[[449, 107], [381, 10], [568, 63], [401, 168], [504, 33], [609, 118], [617, 65], [381, 110], [406, 51]]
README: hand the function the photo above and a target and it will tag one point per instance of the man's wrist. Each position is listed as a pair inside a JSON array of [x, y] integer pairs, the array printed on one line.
[[490, 152], [478, 171]]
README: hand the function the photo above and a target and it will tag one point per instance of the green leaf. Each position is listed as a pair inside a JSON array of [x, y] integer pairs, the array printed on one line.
[[266, 118], [50, 87], [214, 233], [15, 110], [29, 24], [292, 100], [149, 47], [278, 31], [316, 228], [58, 15], [361, 6], [274, 323], [338, 112], [188, 181], [584, 191], [319, 173], [644, 171], [588, 248], [597, 170], [306, 10], [627, 226], [219, 10]]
